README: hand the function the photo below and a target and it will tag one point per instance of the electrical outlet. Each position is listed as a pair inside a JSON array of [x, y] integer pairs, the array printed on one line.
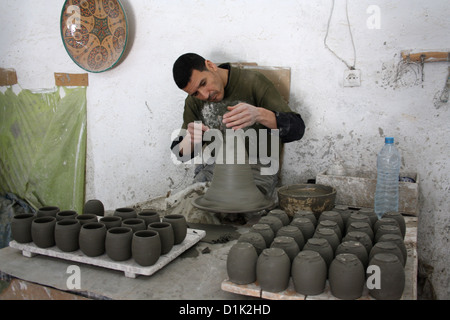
[[352, 78]]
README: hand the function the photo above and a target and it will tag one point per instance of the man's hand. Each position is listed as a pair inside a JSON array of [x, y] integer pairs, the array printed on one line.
[[194, 136], [244, 115]]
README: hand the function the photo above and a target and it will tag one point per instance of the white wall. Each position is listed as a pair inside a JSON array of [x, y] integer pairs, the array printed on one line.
[[133, 108]]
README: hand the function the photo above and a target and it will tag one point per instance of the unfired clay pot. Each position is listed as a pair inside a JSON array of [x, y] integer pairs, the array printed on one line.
[[294, 232], [306, 214], [329, 224], [387, 229], [241, 263], [21, 227], [67, 232], [149, 216], [66, 214], [47, 211], [280, 214], [111, 221], [146, 247], [346, 276], [309, 273], [333, 216], [321, 246], [288, 244], [274, 222], [392, 277], [360, 237], [92, 239], [125, 213], [179, 226], [273, 270], [357, 217], [371, 214], [94, 206], [43, 231], [118, 243], [329, 235], [363, 227], [398, 241], [384, 221], [86, 218], [134, 224], [356, 248], [255, 239], [399, 218], [344, 211], [265, 230], [387, 247], [306, 227], [166, 236]]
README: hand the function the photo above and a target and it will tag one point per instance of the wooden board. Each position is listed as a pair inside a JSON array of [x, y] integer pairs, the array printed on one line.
[[129, 267]]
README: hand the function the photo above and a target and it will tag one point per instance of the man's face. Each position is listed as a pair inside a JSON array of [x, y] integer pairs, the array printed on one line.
[[206, 85]]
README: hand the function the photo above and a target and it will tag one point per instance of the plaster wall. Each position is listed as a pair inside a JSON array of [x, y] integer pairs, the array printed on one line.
[[134, 108]]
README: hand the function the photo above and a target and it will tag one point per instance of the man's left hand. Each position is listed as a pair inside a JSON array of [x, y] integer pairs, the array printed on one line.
[[240, 116]]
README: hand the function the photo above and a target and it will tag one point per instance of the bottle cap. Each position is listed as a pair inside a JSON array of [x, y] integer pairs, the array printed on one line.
[[389, 140]]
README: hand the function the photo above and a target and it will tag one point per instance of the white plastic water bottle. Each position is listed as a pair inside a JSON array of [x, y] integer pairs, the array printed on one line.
[[388, 170]]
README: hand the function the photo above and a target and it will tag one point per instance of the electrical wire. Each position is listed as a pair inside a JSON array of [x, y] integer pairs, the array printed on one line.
[[351, 37]]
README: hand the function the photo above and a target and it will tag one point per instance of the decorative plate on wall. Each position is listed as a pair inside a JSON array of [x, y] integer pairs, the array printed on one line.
[[94, 33]]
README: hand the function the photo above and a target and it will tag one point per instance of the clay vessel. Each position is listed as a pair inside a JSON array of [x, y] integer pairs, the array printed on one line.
[[86, 218], [274, 222], [146, 247], [357, 217], [363, 227], [165, 235], [321, 246], [305, 225], [67, 232], [392, 277], [241, 263], [356, 248], [125, 213], [134, 224], [273, 270], [329, 224], [309, 273], [47, 211], [387, 247], [66, 214], [387, 229], [280, 214], [92, 239], [398, 241], [306, 214], [360, 237], [149, 216], [397, 216], [118, 243], [94, 206], [265, 230], [294, 232], [288, 244], [43, 231], [21, 227], [346, 276], [333, 216], [384, 221], [111, 221], [329, 235], [179, 226], [255, 239], [344, 211], [371, 214]]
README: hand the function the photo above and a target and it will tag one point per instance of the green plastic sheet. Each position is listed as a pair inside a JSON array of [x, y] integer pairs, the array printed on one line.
[[43, 146]]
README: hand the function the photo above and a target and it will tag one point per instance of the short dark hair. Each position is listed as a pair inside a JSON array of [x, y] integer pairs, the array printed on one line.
[[183, 66]]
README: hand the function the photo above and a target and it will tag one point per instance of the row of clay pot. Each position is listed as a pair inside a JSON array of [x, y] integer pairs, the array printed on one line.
[[336, 245], [142, 236]]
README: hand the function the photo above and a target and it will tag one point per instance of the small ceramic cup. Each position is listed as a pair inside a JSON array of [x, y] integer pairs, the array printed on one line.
[[166, 236], [149, 216], [92, 239], [47, 211], [111, 221], [346, 276], [273, 269], [125, 213], [43, 231], [179, 226], [146, 247], [21, 227], [309, 273], [67, 232], [66, 214], [86, 218], [118, 243], [94, 206], [134, 224], [241, 263]]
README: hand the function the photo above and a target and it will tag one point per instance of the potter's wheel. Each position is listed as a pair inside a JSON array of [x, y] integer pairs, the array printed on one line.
[[217, 207]]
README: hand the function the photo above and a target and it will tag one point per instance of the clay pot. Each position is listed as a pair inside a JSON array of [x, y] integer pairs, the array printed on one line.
[[92, 239], [241, 263], [118, 243], [387, 229], [67, 232], [356, 248], [146, 247], [179, 226], [384, 221], [125, 213], [94, 206], [362, 227], [111, 221], [344, 211], [288, 244], [309, 273], [255, 239], [265, 230], [47, 211], [371, 214], [387, 247], [66, 214], [357, 217], [329, 235], [134, 224], [294, 232], [43, 231], [346, 276], [166, 236], [329, 224], [395, 238], [333, 216], [86, 218], [321, 246], [305, 225], [392, 277], [400, 220], [149, 216], [360, 237], [273, 270], [21, 227], [306, 214], [280, 214], [274, 222]]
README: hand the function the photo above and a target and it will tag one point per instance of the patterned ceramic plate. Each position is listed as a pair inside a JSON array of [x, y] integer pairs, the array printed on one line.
[[94, 33]]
